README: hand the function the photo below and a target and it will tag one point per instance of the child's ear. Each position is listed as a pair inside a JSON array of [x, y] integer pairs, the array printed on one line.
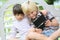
[[45, 12]]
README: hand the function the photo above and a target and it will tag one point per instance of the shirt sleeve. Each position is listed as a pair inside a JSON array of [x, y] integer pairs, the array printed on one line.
[[13, 32]]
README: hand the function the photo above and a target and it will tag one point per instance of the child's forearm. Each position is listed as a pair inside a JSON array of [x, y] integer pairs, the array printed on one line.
[[54, 23]]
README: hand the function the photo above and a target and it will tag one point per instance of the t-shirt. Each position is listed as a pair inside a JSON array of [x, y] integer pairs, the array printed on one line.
[[20, 29]]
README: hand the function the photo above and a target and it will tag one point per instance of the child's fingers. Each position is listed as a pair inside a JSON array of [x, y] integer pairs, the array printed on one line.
[[47, 22]]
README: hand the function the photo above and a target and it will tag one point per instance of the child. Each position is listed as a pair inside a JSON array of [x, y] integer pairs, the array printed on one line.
[[20, 26], [32, 12]]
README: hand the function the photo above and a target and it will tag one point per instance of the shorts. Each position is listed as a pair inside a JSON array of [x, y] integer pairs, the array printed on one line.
[[48, 32]]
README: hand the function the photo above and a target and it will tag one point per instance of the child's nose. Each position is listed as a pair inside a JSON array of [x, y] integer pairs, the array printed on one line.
[[31, 15]]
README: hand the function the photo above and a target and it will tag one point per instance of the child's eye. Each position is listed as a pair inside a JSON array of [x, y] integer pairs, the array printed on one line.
[[17, 14], [31, 12]]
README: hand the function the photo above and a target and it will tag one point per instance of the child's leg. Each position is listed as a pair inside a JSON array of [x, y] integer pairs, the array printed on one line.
[[48, 32], [36, 36], [55, 34]]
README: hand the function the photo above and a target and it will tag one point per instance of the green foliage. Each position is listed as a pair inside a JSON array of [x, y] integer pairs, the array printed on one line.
[[41, 8], [8, 18], [4, 29], [3, 1], [7, 29], [59, 38], [50, 1], [36, 3]]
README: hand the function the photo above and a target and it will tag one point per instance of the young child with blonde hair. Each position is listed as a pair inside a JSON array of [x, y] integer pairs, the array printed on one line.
[[47, 27]]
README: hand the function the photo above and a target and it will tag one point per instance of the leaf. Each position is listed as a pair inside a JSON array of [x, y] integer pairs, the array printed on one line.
[[41, 8]]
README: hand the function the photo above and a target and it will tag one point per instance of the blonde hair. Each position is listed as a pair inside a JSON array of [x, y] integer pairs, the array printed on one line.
[[29, 7]]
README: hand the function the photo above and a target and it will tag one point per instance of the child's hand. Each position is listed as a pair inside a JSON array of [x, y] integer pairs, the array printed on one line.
[[48, 23], [44, 12], [38, 30], [32, 30], [35, 30]]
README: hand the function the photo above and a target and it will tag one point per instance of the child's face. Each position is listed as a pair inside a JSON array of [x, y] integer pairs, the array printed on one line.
[[19, 16], [32, 14]]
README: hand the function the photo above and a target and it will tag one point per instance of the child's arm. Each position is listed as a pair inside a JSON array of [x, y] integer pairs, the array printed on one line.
[[44, 12], [32, 29], [12, 34], [53, 21], [35, 30]]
